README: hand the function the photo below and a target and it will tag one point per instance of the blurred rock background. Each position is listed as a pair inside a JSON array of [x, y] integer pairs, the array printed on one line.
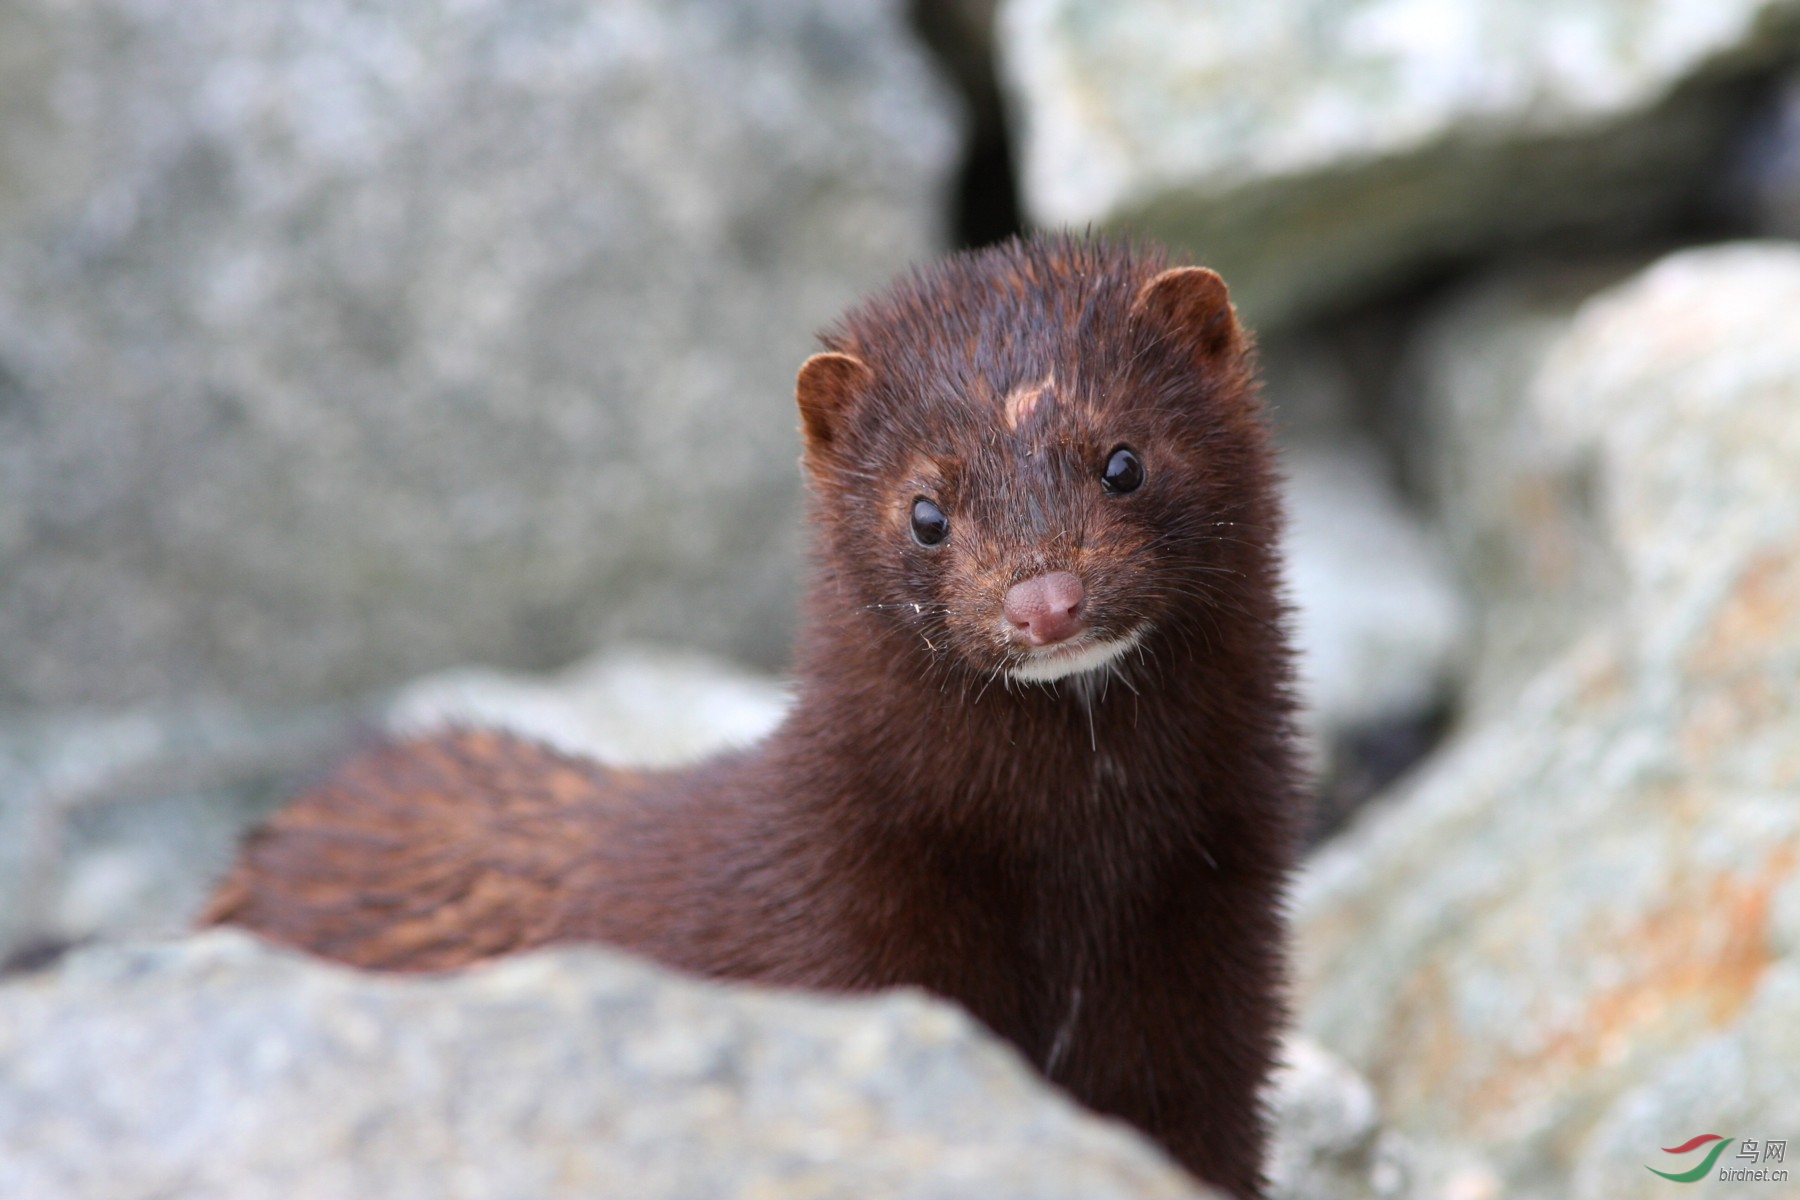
[[372, 364]]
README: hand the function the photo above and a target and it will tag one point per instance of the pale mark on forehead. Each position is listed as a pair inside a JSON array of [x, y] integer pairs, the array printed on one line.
[[1023, 402]]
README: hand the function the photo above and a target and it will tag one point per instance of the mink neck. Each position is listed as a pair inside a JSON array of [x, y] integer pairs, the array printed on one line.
[[899, 783], [948, 751]]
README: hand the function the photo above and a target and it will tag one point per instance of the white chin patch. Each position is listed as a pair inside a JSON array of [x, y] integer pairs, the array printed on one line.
[[1060, 662]]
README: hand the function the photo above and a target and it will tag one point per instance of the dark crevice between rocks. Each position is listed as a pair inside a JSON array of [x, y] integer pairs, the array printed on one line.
[[960, 34], [36, 955], [987, 208], [1753, 189], [1366, 762]]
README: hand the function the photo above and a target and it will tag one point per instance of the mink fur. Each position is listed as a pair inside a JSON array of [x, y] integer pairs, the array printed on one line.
[[1093, 866]]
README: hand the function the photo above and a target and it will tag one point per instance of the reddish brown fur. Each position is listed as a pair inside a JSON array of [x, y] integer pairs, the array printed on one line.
[[1093, 870]]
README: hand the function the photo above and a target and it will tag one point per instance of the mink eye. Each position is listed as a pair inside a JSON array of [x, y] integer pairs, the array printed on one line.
[[929, 524], [1124, 471]]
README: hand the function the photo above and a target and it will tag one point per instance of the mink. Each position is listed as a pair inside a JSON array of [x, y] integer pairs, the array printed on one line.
[[1041, 759]]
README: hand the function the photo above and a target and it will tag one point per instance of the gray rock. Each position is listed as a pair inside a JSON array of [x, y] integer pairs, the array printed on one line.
[[638, 705], [343, 342], [1314, 151], [1586, 887], [1378, 620], [116, 826], [220, 1068], [1308, 390], [1328, 1136], [1743, 1083], [1379, 625], [1510, 499]]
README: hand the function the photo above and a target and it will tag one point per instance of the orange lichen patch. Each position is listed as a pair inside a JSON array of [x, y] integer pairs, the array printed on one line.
[[1761, 614], [1721, 718], [1327, 940], [1688, 966], [1600, 679], [1421, 1039], [1713, 954], [1552, 551]]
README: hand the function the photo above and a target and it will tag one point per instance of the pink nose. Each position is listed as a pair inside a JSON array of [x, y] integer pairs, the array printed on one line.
[[1046, 609]]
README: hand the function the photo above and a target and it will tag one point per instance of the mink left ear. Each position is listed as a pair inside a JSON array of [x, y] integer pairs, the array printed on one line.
[[826, 387], [1192, 305]]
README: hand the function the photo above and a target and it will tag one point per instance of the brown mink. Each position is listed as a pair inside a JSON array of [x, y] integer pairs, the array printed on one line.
[[1040, 759]]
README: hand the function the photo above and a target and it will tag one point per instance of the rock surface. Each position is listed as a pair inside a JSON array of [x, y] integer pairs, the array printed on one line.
[[116, 826], [1312, 151], [340, 343], [1329, 1142], [220, 1068], [1508, 495], [1743, 1083], [1378, 624], [632, 705], [1601, 880]]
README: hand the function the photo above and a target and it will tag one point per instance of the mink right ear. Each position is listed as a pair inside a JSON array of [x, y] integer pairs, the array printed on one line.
[[1191, 305], [824, 389]]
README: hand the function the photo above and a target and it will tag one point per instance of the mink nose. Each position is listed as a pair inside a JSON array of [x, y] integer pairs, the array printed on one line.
[[1047, 608]]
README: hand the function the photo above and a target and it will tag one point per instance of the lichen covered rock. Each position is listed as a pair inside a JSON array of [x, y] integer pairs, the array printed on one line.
[[1590, 885], [220, 1068], [1313, 150]]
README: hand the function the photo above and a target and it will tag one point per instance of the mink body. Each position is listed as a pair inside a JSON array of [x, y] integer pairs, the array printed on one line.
[[1068, 806]]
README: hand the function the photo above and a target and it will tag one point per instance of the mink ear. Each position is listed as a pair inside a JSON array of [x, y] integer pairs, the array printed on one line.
[[826, 385], [1192, 305]]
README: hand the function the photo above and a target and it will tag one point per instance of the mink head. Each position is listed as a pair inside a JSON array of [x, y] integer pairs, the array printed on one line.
[[1041, 460]]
